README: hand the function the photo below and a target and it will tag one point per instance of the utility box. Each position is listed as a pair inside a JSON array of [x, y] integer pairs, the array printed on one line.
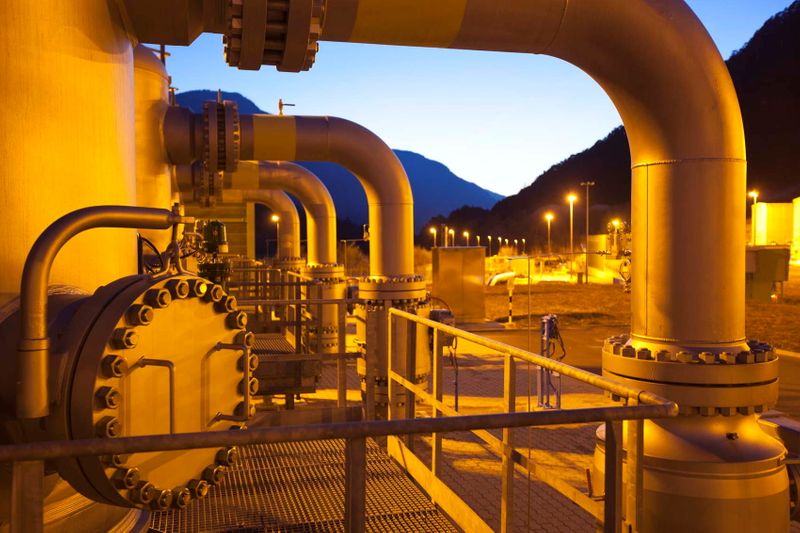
[[766, 268], [459, 274], [771, 223]]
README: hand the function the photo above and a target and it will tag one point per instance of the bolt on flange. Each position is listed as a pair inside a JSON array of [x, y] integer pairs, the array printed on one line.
[[214, 474], [236, 320], [158, 298], [178, 288], [198, 488], [126, 478], [108, 397], [109, 427], [142, 493], [114, 366], [181, 497], [125, 338], [198, 288], [162, 500]]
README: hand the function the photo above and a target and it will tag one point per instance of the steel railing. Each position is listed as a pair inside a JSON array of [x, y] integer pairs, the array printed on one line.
[[642, 404]]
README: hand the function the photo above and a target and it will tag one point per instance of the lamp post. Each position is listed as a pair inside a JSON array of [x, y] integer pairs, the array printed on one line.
[[571, 197], [445, 234], [754, 195], [506, 241], [478, 238], [516, 247], [466, 238], [490, 245], [277, 220], [452, 233], [549, 218], [587, 184], [433, 233], [524, 247]]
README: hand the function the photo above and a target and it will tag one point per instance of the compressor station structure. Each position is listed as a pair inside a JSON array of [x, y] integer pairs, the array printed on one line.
[[122, 401]]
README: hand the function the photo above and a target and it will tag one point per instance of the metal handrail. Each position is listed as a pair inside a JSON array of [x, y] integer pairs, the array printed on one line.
[[615, 387]]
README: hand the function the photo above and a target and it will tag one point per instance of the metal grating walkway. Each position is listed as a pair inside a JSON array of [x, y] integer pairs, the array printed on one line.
[[271, 343], [299, 487]]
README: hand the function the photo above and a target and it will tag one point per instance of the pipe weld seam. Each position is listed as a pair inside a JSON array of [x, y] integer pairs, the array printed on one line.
[[689, 160]]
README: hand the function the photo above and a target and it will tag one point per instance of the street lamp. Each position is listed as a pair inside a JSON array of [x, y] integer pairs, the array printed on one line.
[[466, 237], [516, 247], [587, 184], [433, 232], [276, 219], [571, 198], [490, 244], [506, 241], [452, 234], [524, 248], [478, 238], [549, 218], [754, 195]]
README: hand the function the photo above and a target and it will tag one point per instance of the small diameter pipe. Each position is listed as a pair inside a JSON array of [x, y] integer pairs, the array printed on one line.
[[388, 191], [33, 348]]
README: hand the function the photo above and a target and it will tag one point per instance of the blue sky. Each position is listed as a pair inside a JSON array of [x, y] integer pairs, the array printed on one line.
[[498, 120]]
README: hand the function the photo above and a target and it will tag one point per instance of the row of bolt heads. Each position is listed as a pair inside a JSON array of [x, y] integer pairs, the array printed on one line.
[[115, 366]]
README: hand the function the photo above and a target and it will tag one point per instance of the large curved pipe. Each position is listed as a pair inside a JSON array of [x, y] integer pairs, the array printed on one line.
[[391, 205], [671, 87], [281, 205], [308, 189]]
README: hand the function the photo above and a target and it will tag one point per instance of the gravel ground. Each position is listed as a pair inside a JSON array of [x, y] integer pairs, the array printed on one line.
[[609, 305]]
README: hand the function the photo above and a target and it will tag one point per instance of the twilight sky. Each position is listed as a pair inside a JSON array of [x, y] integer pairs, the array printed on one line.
[[498, 120]]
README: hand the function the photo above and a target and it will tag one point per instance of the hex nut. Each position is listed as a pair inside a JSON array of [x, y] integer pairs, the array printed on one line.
[[246, 338], [644, 354], [214, 474], [139, 315], [181, 498], [158, 298], [198, 488], [664, 356], [125, 338], [108, 397], [254, 386], [114, 460], [162, 500], [628, 351], [745, 358], [109, 427], [143, 493], [126, 478], [685, 357], [760, 356], [214, 294], [178, 288], [727, 358], [236, 320], [228, 456], [198, 288], [227, 304], [249, 359], [114, 366], [707, 358]]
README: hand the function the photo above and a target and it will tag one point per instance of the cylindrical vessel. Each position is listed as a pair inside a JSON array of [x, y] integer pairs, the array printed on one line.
[[66, 134], [153, 171]]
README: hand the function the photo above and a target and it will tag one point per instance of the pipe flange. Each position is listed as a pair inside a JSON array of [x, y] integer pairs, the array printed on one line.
[[400, 290], [282, 34], [325, 272], [221, 135]]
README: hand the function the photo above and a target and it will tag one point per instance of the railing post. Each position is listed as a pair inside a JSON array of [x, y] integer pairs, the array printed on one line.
[[341, 362], [634, 441], [509, 404], [410, 356], [612, 513], [27, 497], [355, 488], [436, 456]]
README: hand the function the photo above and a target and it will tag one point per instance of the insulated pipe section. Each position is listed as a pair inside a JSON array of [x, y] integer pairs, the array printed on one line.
[[391, 205], [308, 189], [671, 87], [32, 352], [280, 204]]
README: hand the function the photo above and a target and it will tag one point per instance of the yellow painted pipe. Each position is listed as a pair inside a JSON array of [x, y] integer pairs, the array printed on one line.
[[391, 205], [280, 204], [308, 189], [670, 85]]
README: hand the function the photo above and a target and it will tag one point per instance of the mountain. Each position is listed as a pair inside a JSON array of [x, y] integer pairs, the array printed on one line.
[[766, 74], [437, 191]]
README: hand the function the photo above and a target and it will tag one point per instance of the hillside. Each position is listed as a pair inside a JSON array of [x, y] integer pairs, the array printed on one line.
[[766, 74], [436, 189]]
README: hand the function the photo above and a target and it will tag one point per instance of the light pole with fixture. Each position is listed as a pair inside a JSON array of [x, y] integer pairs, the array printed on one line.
[[754, 195], [571, 197], [466, 238], [433, 233], [452, 233], [516, 247], [478, 238], [490, 245], [587, 184], [549, 218], [524, 247], [277, 220]]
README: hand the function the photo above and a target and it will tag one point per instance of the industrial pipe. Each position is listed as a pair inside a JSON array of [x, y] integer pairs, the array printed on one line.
[[280, 204], [671, 87], [33, 348], [308, 189], [391, 205]]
